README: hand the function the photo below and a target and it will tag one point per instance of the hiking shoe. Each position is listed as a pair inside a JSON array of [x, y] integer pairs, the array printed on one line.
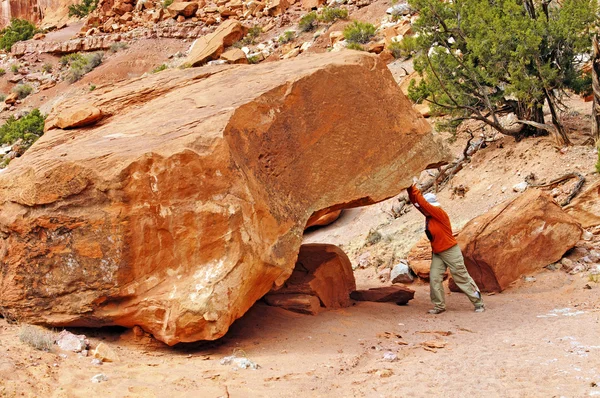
[[436, 311], [479, 309]]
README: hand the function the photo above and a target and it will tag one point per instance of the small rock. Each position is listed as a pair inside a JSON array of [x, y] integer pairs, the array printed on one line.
[[552, 267], [240, 362], [577, 269], [520, 187], [105, 353], [364, 260], [390, 356], [96, 361], [567, 263], [63, 356], [586, 259], [67, 341], [401, 273], [529, 279], [384, 373], [384, 274], [100, 377], [587, 235]]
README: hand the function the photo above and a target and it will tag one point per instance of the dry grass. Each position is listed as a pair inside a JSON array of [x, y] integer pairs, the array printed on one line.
[[37, 337]]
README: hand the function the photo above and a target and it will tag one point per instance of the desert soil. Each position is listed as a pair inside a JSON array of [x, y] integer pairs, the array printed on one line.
[[537, 339]]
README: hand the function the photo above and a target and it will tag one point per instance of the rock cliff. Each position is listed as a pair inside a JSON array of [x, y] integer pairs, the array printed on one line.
[[183, 199]]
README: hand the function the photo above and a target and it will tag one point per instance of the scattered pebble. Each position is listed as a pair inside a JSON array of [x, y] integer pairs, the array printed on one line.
[[100, 377], [96, 361], [390, 356], [240, 362]]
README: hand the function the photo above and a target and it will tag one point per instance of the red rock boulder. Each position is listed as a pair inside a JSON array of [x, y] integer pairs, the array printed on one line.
[[515, 238], [188, 202], [323, 271]]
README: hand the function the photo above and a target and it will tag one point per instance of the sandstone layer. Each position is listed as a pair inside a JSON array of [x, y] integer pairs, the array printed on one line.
[[186, 202], [516, 238]]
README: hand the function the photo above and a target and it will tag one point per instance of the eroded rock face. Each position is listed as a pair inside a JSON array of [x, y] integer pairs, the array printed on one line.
[[586, 207], [515, 238], [187, 202]]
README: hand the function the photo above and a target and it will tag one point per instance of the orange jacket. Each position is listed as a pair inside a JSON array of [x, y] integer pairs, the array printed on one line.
[[437, 222]]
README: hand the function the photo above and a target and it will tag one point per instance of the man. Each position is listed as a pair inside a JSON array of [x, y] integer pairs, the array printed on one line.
[[445, 253]]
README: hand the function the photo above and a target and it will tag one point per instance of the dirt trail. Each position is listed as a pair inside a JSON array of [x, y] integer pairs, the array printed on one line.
[[539, 339]]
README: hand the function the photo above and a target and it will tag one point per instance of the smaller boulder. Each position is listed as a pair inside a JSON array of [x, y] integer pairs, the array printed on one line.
[[302, 303], [211, 46], [396, 294], [401, 274], [586, 207], [234, 56], [11, 98], [277, 7], [80, 116], [105, 353], [68, 341], [185, 8], [323, 271]]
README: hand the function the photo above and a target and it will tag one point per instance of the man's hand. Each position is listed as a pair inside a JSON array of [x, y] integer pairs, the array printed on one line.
[[415, 180]]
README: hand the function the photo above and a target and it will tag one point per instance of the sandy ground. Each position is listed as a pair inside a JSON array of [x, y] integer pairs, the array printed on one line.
[[537, 339]]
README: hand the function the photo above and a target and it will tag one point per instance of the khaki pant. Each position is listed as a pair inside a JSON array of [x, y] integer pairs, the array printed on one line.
[[453, 259]]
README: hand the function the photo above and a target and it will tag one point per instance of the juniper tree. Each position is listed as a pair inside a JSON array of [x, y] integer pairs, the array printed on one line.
[[479, 59]]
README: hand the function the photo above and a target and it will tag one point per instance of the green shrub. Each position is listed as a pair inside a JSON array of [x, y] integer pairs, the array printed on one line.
[[2, 72], [92, 87], [355, 46], [22, 90], [288, 36], [167, 3], [598, 164], [118, 46], [160, 68], [14, 68], [82, 9], [36, 337], [254, 59], [308, 22], [47, 67], [333, 14], [250, 38], [80, 64], [404, 48], [359, 32], [28, 128], [2, 97], [18, 30]]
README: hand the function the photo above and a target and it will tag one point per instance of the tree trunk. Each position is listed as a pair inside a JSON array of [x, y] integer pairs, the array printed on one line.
[[562, 137], [533, 113], [596, 88]]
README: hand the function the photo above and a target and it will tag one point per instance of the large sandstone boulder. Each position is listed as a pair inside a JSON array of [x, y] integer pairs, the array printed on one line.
[[516, 238], [586, 207], [188, 202], [211, 46]]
